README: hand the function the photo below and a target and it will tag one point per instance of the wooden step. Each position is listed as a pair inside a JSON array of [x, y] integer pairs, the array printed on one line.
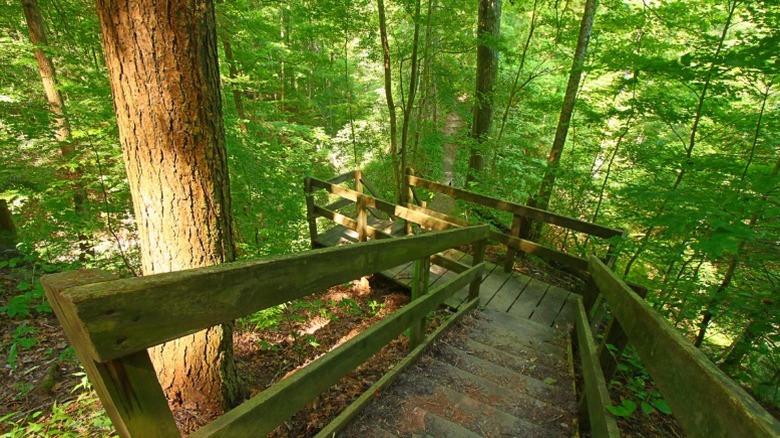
[[496, 372], [492, 318], [514, 403]]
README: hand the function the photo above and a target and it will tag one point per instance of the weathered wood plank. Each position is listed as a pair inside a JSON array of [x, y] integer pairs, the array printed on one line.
[[341, 203], [492, 286], [550, 306], [407, 214], [511, 251], [477, 258], [526, 302], [522, 210], [261, 414], [542, 251], [343, 177], [420, 281], [311, 218], [128, 315], [400, 274], [568, 312], [596, 396], [705, 401], [506, 296], [127, 387], [340, 422]]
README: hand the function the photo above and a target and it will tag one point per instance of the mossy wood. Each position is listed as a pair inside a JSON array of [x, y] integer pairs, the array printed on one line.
[[343, 177], [261, 414], [128, 386], [522, 210], [705, 401], [438, 221], [595, 397], [120, 317], [340, 422], [395, 210]]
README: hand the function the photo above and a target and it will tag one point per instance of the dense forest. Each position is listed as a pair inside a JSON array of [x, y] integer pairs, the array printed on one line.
[[657, 117]]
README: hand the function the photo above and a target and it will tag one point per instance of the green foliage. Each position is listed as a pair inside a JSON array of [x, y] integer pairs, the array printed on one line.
[[636, 388]]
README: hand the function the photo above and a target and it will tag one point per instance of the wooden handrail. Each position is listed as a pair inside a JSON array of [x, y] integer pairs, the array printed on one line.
[[706, 402], [123, 316], [261, 414], [343, 177], [110, 323], [595, 399], [518, 209], [439, 221]]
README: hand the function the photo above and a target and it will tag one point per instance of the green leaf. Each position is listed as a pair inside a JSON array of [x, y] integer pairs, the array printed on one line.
[[662, 406], [646, 408]]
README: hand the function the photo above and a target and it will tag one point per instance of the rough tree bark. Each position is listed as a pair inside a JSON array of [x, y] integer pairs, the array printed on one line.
[[488, 24], [162, 64], [542, 198]]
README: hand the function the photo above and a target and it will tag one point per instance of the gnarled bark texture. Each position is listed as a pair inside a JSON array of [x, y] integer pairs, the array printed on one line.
[[162, 62]]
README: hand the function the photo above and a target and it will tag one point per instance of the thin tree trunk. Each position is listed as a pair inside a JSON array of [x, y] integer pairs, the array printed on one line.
[[757, 327], [515, 89], [349, 92], [162, 64], [56, 102], [408, 108], [389, 93], [734, 260], [237, 94], [542, 198], [426, 89], [488, 32]]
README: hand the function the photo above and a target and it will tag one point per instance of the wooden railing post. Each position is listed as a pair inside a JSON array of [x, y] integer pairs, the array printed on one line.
[[311, 218], [511, 250], [362, 217], [478, 257], [127, 387], [420, 280], [409, 197]]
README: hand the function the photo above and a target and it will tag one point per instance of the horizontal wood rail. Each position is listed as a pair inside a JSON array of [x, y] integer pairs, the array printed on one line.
[[111, 323], [519, 209], [704, 400], [261, 414], [512, 240]]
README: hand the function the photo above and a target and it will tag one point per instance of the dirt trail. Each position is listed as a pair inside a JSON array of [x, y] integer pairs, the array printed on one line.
[[452, 126]]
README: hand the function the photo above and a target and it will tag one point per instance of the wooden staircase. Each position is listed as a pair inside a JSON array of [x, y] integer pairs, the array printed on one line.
[[492, 375]]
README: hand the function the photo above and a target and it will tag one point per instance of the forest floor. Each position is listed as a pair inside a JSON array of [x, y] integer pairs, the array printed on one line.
[[44, 393]]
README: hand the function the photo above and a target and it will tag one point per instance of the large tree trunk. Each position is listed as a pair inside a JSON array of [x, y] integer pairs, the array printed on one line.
[[37, 31], [162, 63], [542, 198], [489, 23]]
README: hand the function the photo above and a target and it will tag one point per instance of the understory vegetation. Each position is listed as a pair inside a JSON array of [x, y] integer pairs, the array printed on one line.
[[675, 138]]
